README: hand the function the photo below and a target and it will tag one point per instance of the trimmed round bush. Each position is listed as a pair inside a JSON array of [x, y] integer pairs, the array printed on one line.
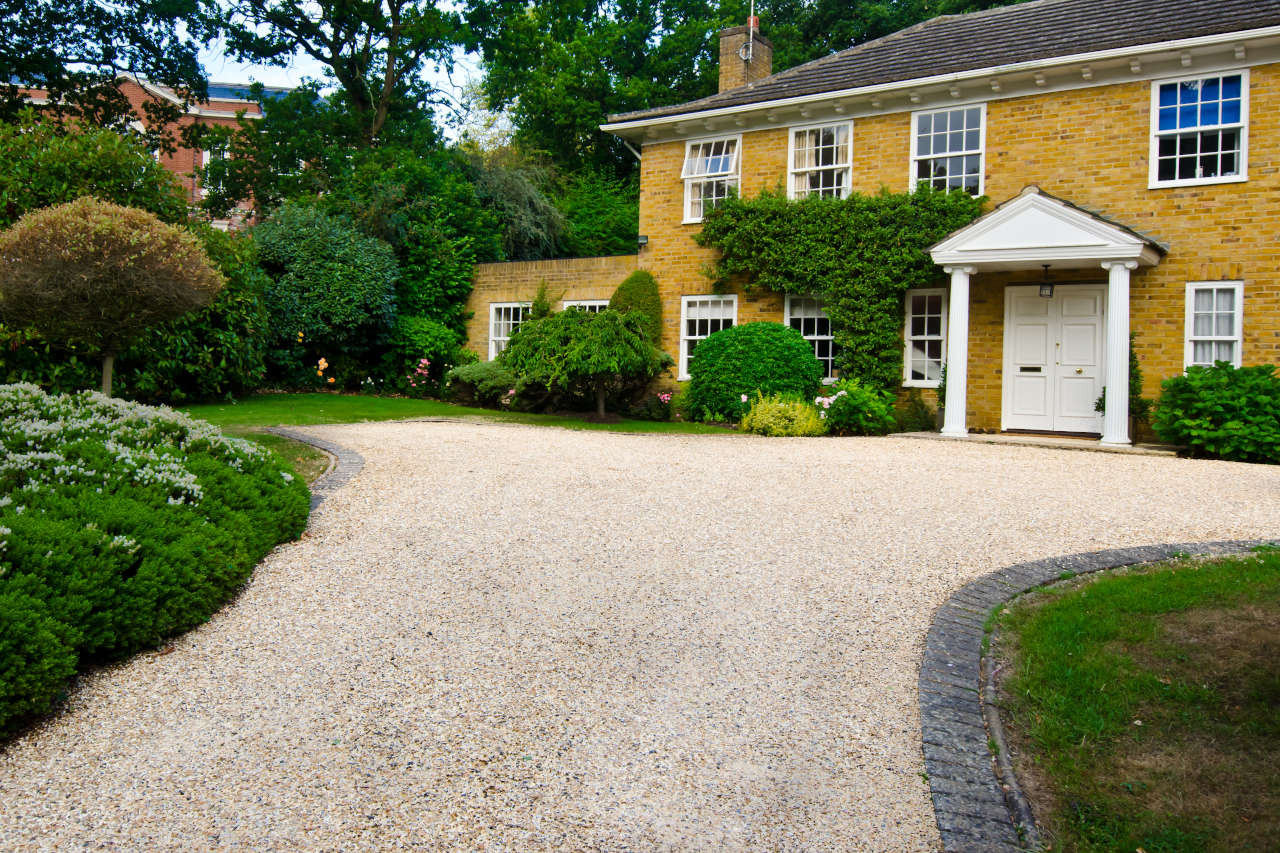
[[732, 366], [120, 525], [639, 292], [1222, 411]]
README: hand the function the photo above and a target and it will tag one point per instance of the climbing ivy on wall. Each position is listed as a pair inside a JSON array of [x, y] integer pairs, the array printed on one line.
[[859, 254]]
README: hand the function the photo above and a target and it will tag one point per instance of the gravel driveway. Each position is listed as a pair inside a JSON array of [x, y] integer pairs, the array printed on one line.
[[513, 638]]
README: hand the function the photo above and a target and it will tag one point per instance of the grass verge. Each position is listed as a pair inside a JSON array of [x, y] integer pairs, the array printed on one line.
[[1144, 706]]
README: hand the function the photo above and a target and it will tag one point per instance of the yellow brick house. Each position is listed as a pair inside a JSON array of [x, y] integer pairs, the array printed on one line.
[[1132, 152]]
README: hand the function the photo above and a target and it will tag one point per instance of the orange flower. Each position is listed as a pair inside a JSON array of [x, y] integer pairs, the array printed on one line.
[[319, 373], [330, 380]]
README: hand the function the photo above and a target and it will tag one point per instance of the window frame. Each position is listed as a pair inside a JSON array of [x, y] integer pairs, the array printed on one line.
[[792, 171], [907, 338], [689, 181], [830, 376], [1153, 160], [493, 310], [914, 182], [591, 306], [730, 298], [1237, 335]]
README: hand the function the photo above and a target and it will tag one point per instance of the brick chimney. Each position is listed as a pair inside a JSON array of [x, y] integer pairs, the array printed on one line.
[[735, 70]]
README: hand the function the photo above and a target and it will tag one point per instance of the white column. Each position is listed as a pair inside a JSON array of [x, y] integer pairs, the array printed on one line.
[[957, 402], [1115, 420]]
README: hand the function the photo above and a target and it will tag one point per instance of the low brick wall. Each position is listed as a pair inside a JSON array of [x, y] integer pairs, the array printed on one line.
[[518, 281]]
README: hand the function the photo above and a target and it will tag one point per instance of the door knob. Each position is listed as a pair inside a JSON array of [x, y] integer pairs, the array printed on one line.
[[1079, 370]]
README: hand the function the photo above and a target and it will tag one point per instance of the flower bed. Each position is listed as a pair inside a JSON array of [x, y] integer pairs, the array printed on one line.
[[120, 525]]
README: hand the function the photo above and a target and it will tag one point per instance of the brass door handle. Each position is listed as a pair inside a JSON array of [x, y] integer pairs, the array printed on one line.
[[1079, 370]]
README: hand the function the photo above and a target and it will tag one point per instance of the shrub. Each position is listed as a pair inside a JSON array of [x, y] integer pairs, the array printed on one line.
[[120, 525], [781, 415], [653, 407], [486, 383], [601, 215], [1222, 411], [734, 364], [856, 408], [422, 350], [585, 353], [99, 274], [914, 415], [332, 294], [639, 292]]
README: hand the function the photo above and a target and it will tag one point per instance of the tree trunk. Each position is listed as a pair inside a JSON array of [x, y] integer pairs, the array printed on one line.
[[600, 401], [108, 364]]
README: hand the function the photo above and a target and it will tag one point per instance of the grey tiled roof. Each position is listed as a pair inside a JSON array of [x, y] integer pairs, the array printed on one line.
[[1025, 32]]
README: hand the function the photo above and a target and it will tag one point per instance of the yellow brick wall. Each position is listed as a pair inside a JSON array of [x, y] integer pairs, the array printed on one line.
[[576, 278]]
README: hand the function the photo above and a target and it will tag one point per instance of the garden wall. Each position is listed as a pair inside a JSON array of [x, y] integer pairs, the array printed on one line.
[[518, 281]]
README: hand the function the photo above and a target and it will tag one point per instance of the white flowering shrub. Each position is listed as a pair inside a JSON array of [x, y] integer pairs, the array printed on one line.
[[120, 525]]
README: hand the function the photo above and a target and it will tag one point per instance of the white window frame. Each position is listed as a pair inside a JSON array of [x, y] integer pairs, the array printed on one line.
[[981, 151], [793, 172], [1237, 333], [685, 337], [207, 156], [829, 375], [907, 338], [591, 306], [1153, 178], [494, 308], [733, 176]]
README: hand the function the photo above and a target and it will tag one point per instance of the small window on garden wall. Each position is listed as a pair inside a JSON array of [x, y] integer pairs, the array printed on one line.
[[1214, 322], [1200, 130], [926, 337], [591, 306], [710, 174], [820, 160], [504, 318], [946, 148], [808, 316], [701, 317]]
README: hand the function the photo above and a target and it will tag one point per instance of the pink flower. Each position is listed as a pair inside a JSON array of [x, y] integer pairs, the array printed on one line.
[[744, 398]]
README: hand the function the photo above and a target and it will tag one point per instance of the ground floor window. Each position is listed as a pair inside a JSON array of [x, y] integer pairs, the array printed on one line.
[[591, 306], [700, 317], [808, 316], [504, 318], [925, 335], [1214, 322]]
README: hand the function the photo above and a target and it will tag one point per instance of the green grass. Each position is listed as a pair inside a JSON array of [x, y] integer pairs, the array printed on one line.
[[303, 409], [1146, 706]]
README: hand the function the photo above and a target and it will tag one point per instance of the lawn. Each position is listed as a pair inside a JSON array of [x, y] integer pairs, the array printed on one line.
[[1143, 706], [248, 416]]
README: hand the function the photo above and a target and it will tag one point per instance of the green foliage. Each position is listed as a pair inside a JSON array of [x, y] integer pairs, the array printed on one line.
[[782, 415], [915, 415], [860, 254], [639, 292], [601, 215], [1222, 411], [1139, 406], [854, 408], [515, 189], [422, 350], [580, 352], [43, 164], [734, 364], [332, 293], [486, 383], [122, 525]]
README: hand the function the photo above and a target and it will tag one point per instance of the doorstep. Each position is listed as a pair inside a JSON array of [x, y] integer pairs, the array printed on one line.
[[1057, 442]]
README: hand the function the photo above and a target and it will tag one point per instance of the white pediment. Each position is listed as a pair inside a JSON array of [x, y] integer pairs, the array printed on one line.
[[1035, 229]]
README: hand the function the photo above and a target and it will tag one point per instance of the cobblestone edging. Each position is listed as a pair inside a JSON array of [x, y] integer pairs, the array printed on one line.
[[978, 805], [345, 465]]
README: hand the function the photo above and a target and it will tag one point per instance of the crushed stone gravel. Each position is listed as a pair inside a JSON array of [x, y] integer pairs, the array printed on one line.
[[500, 637]]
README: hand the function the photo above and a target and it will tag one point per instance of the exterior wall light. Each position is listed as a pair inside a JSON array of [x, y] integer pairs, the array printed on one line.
[[642, 240], [1046, 286]]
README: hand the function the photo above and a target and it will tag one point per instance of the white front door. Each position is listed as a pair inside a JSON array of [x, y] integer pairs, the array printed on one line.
[[1053, 358]]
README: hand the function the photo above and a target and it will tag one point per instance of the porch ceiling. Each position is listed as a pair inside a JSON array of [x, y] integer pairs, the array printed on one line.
[[1035, 228]]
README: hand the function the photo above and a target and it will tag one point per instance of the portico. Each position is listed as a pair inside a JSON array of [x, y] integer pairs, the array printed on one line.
[[1063, 344]]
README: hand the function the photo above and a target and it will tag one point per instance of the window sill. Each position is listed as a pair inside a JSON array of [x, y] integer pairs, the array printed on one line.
[[1197, 182], [920, 383]]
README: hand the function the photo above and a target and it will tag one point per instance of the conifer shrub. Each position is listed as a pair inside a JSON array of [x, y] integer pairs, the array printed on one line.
[[120, 525], [730, 367], [639, 292]]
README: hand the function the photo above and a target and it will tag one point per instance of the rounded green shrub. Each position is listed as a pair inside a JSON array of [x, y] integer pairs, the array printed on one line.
[[729, 368], [1222, 411], [639, 292], [855, 408], [486, 383], [780, 415]]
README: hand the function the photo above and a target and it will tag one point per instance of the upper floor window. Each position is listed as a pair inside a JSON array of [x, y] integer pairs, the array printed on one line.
[[1200, 130], [1214, 322], [808, 316], [504, 319], [591, 306], [820, 158], [925, 336], [710, 174], [946, 149]]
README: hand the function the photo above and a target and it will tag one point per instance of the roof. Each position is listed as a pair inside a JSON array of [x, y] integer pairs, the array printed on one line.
[[1025, 32]]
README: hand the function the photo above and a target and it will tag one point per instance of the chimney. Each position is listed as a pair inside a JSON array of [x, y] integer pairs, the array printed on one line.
[[736, 45]]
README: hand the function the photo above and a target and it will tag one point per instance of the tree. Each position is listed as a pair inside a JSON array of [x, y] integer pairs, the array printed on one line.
[[75, 49], [100, 274], [579, 352]]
